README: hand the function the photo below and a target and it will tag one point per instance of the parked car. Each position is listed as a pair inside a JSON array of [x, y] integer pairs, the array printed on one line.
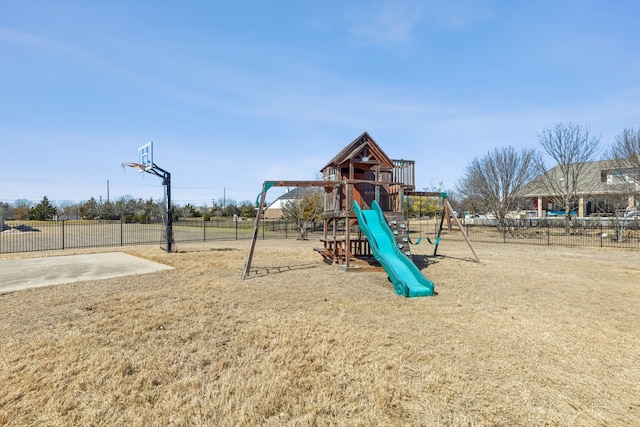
[[632, 214]]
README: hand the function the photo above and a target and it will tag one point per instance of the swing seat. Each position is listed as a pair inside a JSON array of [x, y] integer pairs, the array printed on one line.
[[437, 242], [416, 243]]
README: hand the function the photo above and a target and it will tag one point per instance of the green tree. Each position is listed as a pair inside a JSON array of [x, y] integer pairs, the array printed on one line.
[[190, 211], [90, 209], [304, 212], [231, 208], [108, 211], [124, 205], [43, 211], [248, 209], [154, 211], [419, 206]]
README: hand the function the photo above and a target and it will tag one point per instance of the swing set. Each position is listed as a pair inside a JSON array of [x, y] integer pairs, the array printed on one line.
[[360, 173], [447, 214]]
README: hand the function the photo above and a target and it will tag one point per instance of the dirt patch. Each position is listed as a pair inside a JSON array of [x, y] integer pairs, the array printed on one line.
[[533, 335]]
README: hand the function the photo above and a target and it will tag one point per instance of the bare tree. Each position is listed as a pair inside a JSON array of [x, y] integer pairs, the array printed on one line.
[[625, 154], [21, 209], [626, 151], [496, 181], [573, 148], [68, 208], [304, 212]]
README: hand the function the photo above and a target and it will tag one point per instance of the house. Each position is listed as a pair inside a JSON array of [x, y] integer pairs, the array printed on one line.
[[275, 209], [601, 188], [68, 217]]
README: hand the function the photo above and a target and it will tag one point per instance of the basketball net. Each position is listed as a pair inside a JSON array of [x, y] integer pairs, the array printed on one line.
[[133, 165]]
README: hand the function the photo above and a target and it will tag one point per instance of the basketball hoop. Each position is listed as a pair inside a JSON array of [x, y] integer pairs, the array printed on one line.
[[145, 164], [145, 159], [142, 168]]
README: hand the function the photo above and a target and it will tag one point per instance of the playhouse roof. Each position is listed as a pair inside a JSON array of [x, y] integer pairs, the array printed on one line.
[[362, 144]]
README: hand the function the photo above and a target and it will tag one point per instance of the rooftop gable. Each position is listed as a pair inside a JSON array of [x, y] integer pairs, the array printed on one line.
[[361, 147]]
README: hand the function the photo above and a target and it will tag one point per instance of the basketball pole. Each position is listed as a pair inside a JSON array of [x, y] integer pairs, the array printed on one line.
[[166, 181], [146, 164]]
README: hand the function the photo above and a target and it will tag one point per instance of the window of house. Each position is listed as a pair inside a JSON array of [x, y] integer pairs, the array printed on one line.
[[617, 176]]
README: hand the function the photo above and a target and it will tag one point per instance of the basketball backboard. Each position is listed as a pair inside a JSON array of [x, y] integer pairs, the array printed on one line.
[[145, 156]]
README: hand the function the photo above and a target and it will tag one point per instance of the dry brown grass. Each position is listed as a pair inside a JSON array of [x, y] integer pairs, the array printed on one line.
[[533, 336]]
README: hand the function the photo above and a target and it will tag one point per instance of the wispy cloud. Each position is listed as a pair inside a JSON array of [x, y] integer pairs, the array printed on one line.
[[385, 24], [390, 24], [65, 52], [30, 40], [115, 67], [460, 14]]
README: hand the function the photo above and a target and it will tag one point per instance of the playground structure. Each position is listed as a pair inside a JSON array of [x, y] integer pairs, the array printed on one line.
[[359, 179]]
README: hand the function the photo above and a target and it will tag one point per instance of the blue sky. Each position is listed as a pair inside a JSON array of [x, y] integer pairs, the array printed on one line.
[[236, 93]]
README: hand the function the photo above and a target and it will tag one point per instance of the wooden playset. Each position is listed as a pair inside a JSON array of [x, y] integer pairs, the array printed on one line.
[[361, 172]]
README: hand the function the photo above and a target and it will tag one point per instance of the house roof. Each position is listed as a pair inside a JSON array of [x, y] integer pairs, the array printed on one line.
[[363, 145], [590, 180], [296, 193]]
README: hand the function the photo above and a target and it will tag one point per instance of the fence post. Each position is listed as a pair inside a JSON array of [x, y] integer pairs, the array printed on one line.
[[121, 232], [548, 233], [601, 236], [236, 229], [63, 234], [204, 231]]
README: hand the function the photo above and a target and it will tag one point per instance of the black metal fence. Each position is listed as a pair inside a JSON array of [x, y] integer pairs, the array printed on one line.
[[595, 232], [30, 236]]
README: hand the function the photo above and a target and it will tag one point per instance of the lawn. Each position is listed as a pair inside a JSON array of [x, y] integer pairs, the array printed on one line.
[[535, 335]]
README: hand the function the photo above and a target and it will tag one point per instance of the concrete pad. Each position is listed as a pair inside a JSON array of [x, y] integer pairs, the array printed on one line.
[[34, 272]]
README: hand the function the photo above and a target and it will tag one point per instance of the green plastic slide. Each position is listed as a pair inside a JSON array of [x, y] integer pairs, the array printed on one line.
[[406, 277]]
